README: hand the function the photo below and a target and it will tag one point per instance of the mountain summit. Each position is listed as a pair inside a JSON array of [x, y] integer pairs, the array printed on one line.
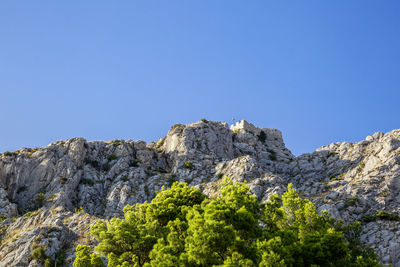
[[51, 196]]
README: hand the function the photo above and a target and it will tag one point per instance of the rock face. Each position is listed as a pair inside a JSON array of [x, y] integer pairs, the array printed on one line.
[[49, 197]]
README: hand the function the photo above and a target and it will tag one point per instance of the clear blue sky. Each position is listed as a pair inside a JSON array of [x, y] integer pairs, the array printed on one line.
[[320, 71]]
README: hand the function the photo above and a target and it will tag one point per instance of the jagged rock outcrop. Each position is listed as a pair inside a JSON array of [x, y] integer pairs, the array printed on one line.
[[50, 196]]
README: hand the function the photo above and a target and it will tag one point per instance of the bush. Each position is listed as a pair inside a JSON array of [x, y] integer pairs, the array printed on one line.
[[60, 257], [21, 189], [183, 227], [48, 263], [80, 210], [134, 163], [125, 178], [95, 164], [87, 181], [106, 167], [387, 216], [368, 218], [116, 143], [380, 215], [361, 165], [63, 180], [30, 214], [39, 254], [262, 136], [40, 200], [112, 157], [188, 165], [171, 180], [85, 258], [3, 230], [350, 202], [52, 197], [339, 177], [9, 154], [272, 155]]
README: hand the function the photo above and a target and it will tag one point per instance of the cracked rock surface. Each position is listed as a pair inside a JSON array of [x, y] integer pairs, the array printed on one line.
[[49, 197]]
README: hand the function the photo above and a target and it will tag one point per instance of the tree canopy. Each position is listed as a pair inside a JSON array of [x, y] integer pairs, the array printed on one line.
[[183, 227]]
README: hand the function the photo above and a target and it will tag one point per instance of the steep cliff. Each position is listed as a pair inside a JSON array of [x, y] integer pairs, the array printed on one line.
[[49, 197]]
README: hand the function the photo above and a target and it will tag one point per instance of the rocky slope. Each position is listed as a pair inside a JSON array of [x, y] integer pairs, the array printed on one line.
[[49, 197]]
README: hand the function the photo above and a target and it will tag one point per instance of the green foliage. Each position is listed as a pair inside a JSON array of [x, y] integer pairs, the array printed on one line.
[[361, 165], [40, 200], [134, 163], [21, 189], [146, 189], [52, 197], [106, 167], [332, 154], [204, 120], [383, 215], [112, 157], [131, 239], [3, 230], [125, 178], [95, 164], [384, 194], [350, 202], [85, 258], [30, 214], [87, 181], [116, 143], [262, 136], [339, 177], [183, 227], [39, 254], [272, 155], [9, 154], [160, 145], [80, 210], [48, 263], [188, 165], [380, 215], [171, 180]]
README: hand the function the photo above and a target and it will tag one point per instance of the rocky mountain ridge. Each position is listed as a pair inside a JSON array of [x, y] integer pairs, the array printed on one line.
[[50, 196]]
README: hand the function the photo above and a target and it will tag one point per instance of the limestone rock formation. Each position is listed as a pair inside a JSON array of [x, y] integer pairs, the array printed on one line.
[[49, 197]]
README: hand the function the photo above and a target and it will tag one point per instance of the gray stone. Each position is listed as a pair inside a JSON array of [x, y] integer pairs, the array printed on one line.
[[103, 177]]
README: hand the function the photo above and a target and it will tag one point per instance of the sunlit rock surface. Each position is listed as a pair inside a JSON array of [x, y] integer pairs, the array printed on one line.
[[74, 182]]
